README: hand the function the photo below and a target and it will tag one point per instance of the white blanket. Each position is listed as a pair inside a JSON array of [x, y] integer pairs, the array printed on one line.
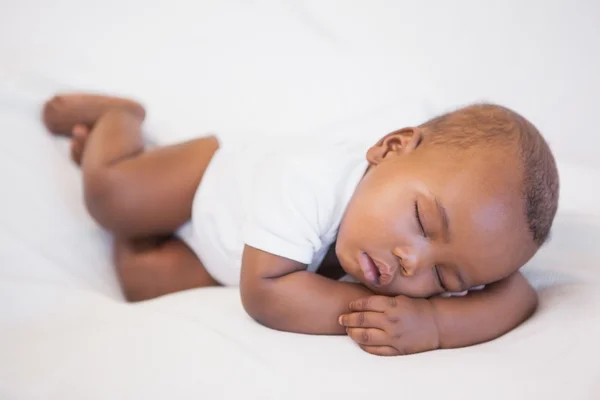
[[280, 69]]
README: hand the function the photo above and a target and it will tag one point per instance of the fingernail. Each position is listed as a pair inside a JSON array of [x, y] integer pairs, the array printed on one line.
[[340, 320]]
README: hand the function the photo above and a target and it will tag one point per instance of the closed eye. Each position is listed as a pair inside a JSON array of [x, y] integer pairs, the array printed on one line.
[[439, 278], [419, 219]]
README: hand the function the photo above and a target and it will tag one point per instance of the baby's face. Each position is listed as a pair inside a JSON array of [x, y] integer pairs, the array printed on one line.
[[423, 221]]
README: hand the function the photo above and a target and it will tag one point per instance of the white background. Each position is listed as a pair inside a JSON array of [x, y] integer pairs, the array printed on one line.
[[285, 67], [275, 69]]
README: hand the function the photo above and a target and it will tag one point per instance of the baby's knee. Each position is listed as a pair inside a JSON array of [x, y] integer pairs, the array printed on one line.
[[104, 195]]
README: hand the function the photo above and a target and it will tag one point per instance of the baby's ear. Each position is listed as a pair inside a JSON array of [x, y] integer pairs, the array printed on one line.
[[402, 141]]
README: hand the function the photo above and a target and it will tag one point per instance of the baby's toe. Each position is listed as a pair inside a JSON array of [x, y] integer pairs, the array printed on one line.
[[52, 115], [80, 131]]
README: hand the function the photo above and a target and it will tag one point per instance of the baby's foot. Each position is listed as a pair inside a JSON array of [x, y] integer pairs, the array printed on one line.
[[79, 137], [62, 112]]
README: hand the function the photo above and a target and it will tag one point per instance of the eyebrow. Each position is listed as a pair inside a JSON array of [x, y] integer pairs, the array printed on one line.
[[444, 216]]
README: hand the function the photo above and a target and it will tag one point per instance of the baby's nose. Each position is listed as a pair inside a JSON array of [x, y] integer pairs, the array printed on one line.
[[409, 261]]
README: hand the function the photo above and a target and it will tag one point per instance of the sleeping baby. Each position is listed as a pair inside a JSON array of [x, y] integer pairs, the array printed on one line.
[[332, 238]]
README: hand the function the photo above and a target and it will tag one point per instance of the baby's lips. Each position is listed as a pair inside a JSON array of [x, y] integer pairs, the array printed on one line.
[[385, 279], [386, 274], [369, 269]]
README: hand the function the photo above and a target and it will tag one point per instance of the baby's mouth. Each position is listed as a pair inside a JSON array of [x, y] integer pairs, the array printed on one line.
[[386, 275], [369, 269]]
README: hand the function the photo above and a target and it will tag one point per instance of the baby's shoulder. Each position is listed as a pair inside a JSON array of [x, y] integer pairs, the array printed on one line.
[[304, 169], [302, 186], [314, 165]]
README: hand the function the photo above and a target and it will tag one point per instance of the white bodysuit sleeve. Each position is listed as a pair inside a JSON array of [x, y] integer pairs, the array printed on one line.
[[288, 211]]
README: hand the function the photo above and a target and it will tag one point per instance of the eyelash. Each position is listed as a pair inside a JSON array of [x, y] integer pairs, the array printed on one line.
[[439, 278], [419, 219], [435, 267]]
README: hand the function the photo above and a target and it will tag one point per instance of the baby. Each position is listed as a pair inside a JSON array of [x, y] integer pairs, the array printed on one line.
[[459, 202]]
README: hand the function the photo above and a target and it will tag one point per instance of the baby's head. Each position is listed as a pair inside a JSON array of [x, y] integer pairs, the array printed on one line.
[[462, 200]]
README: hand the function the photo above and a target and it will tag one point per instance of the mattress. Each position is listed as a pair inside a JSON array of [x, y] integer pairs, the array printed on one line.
[[278, 70]]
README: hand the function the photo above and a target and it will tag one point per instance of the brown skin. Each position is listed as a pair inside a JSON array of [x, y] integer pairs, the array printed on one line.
[[481, 236], [400, 325], [120, 176], [488, 244], [484, 240]]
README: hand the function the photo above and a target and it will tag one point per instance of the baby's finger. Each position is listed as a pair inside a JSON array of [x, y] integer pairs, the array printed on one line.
[[365, 319], [380, 350], [373, 303], [369, 336]]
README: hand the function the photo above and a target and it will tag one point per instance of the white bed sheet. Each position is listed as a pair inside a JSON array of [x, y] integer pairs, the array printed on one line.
[[281, 69]]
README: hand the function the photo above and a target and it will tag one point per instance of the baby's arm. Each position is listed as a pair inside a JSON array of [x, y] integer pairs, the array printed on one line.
[[484, 315], [401, 325], [280, 294]]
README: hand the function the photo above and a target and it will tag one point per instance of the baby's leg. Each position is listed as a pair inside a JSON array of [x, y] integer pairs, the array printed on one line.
[[130, 192], [150, 268], [61, 113]]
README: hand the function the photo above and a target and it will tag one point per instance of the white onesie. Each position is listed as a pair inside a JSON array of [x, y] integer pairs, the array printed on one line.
[[284, 199], [287, 200]]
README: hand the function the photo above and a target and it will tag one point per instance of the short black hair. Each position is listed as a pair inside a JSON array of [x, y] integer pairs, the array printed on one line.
[[494, 125]]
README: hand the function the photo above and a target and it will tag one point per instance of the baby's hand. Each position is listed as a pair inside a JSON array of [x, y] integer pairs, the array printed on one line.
[[390, 326]]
